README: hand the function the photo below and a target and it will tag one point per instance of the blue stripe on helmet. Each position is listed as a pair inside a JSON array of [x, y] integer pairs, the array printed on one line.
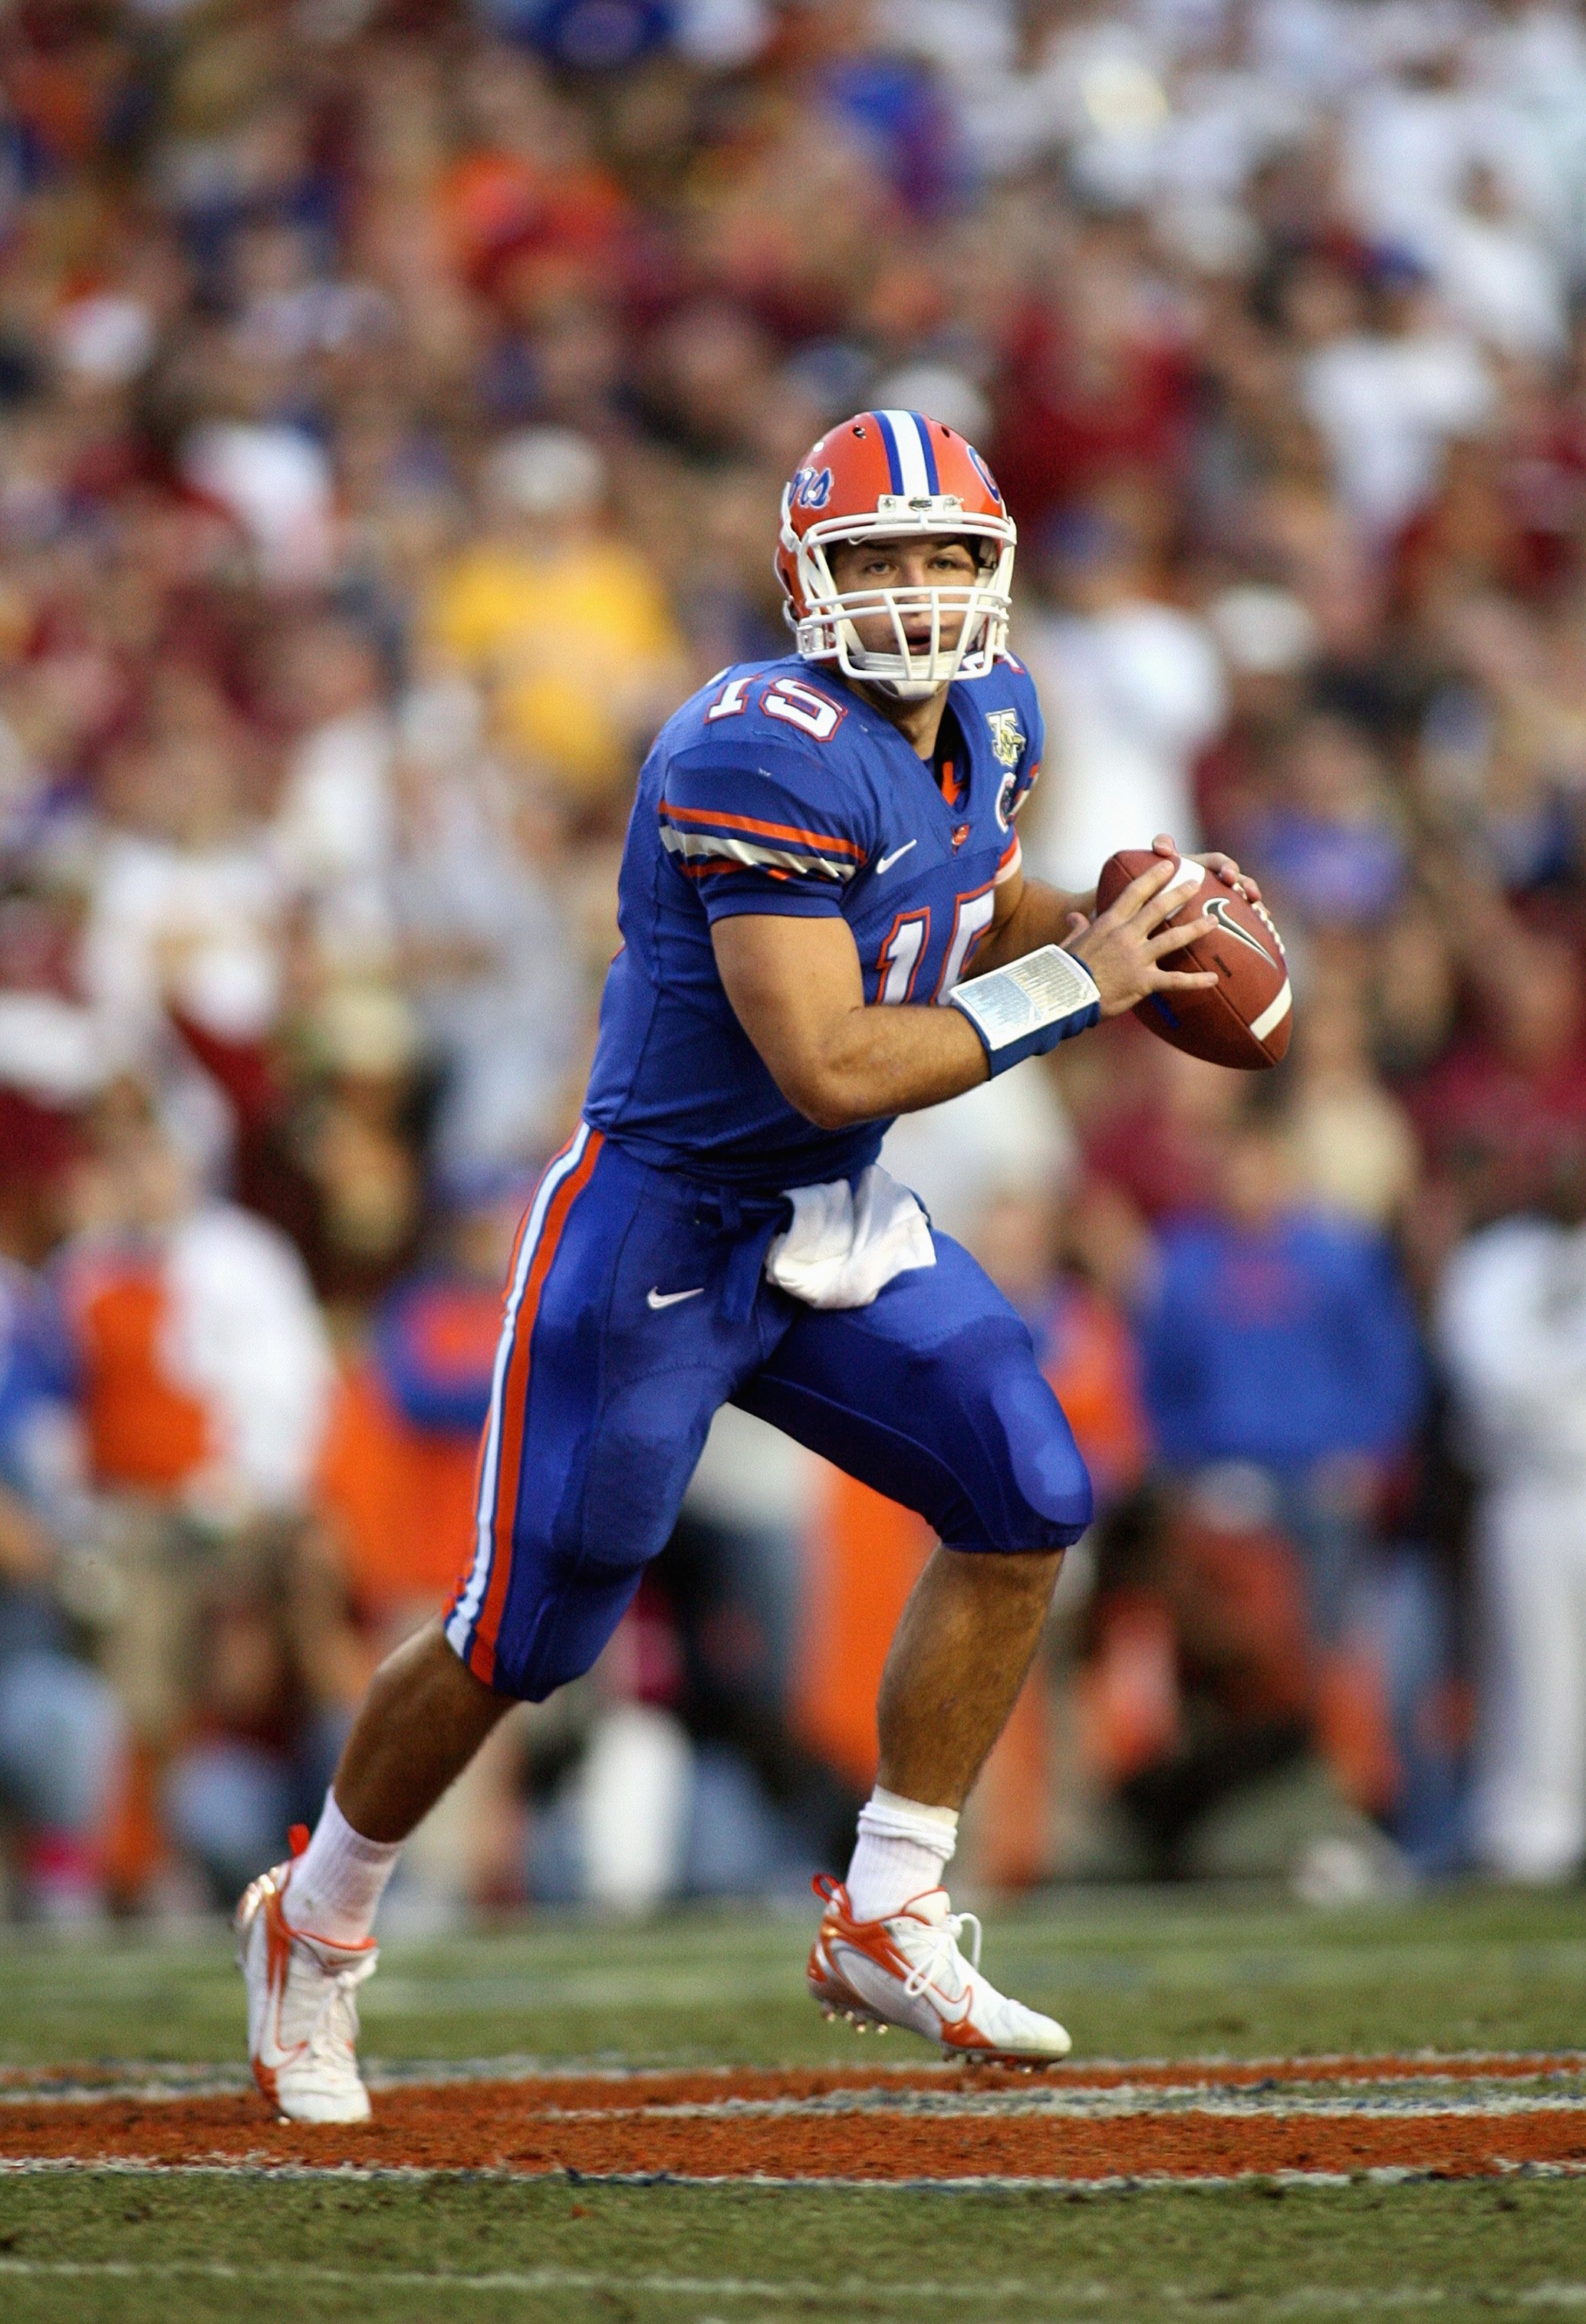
[[891, 441]]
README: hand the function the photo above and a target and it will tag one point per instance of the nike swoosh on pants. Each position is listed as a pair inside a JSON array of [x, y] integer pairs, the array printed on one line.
[[659, 1298]]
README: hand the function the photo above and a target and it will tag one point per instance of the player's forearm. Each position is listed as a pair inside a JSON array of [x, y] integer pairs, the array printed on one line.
[[1039, 917], [883, 1060]]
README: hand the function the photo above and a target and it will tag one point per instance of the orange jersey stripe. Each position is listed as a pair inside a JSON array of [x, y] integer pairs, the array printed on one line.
[[766, 830], [514, 1414], [712, 865]]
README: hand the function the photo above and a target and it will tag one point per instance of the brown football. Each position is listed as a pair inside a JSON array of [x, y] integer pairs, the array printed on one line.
[[1245, 1020]]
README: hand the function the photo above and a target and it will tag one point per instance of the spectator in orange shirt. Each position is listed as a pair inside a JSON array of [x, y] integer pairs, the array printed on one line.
[[206, 1373]]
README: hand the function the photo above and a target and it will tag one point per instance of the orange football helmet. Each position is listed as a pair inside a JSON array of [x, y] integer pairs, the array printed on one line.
[[880, 476]]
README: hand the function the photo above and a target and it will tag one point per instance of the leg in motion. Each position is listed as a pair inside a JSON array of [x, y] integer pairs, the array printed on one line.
[[887, 1949], [424, 1717], [933, 1396], [303, 1929], [962, 1653], [599, 1407]]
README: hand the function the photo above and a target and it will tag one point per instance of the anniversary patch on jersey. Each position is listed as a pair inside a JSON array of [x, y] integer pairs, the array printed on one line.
[[1007, 737]]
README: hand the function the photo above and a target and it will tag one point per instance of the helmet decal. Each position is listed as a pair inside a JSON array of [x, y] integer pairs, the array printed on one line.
[[987, 478], [812, 488]]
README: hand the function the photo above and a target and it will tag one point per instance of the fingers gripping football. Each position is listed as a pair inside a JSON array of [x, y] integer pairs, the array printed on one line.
[[1123, 946]]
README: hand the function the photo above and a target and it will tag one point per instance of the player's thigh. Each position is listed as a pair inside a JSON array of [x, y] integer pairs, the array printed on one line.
[[933, 1396], [600, 1408]]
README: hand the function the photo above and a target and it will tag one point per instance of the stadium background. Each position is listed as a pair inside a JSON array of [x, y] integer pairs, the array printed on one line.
[[394, 400]]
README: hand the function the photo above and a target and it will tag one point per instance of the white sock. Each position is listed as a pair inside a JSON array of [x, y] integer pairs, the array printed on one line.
[[338, 1881], [902, 1849]]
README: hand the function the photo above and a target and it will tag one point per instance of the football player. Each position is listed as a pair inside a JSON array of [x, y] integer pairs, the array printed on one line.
[[825, 924]]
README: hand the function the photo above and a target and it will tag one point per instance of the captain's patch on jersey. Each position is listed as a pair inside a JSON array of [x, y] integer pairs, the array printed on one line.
[[1007, 737]]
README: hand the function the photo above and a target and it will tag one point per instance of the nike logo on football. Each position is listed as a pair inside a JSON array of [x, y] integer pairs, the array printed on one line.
[[1217, 909], [659, 1298], [886, 862]]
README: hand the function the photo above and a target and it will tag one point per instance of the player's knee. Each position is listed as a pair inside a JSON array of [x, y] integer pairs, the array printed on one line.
[[1045, 1501], [575, 1573], [573, 1625]]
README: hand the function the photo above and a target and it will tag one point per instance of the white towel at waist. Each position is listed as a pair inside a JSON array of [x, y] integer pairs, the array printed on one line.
[[847, 1242]]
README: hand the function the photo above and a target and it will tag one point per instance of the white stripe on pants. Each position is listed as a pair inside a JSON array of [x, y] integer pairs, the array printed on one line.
[[466, 1611]]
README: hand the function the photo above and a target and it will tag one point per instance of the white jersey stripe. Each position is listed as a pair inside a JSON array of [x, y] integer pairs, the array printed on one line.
[[466, 1609], [911, 459], [704, 846]]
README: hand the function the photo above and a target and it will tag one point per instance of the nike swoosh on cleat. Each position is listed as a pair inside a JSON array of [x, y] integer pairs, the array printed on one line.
[[659, 1298], [885, 862]]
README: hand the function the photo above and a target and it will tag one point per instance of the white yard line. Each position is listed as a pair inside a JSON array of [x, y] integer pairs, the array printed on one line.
[[1297, 2300], [147, 2082], [1191, 2101], [257, 2166]]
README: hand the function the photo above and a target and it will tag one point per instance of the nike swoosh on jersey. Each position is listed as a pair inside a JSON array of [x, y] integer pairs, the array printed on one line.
[[659, 1298], [885, 862]]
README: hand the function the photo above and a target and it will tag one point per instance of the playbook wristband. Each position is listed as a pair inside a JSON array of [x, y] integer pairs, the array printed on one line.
[[1028, 1006]]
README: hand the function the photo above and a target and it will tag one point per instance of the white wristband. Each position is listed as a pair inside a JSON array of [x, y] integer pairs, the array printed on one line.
[[1029, 1006]]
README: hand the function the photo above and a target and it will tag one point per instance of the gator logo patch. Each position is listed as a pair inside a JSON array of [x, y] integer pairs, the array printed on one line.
[[1007, 737]]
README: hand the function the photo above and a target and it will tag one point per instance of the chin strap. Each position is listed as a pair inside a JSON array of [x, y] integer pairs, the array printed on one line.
[[903, 689]]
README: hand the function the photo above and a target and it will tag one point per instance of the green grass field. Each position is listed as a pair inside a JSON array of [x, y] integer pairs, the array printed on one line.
[[1135, 1974]]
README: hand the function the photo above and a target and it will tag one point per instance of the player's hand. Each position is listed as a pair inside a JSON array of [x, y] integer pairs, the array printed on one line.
[[1122, 946], [1224, 866]]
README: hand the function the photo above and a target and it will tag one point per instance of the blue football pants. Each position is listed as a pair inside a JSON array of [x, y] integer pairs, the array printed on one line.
[[636, 1306]]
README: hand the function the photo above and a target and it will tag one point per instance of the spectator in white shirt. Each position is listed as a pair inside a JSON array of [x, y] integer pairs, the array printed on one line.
[[1389, 397], [1511, 1324], [335, 825], [1496, 274], [1133, 691], [188, 905]]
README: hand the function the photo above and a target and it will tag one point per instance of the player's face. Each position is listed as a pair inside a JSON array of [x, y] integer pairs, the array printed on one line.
[[908, 567]]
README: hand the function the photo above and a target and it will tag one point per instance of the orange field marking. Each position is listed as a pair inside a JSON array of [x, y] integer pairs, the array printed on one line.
[[1458, 2117]]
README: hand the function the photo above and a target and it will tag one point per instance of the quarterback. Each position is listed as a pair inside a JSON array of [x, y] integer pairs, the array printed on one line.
[[825, 924]]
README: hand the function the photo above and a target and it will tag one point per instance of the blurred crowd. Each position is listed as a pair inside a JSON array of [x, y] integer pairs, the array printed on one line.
[[394, 400]]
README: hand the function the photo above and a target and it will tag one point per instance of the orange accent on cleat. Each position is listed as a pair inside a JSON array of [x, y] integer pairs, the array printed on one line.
[[302, 2014], [907, 1970]]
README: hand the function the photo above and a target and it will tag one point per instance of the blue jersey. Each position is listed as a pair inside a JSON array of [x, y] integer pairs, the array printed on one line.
[[777, 788]]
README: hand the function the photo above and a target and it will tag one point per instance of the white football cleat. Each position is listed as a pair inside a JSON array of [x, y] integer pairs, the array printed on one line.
[[302, 2010], [907, 1970]]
